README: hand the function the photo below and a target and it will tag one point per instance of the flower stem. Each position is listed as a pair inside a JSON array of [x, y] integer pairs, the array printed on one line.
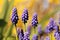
[[34, 30], [16, 32], [25, 27], [8, 32]]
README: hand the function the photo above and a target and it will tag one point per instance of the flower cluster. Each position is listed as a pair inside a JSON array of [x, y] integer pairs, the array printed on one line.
[[51, 26], [47, 38], [57, 35], [25, 16], [34, 20], [20, 34], [14, 18], [25, 35], [35, 37]]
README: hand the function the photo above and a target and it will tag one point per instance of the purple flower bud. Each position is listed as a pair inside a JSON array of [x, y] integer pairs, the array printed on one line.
[[29, 29], [14, 18], [51, 26], [39, 29], [56, 28], [25, 16], [47, 30], [47, 38], [56, 35], [20, 34], [26, 39], [34, 20], [35, 37], [26, 36]]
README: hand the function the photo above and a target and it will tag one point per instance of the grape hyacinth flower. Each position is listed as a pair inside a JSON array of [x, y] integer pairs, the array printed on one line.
[[25, 16], [51, 26], [20, 34], [47, 38], [26, 36], [35, 37], [39, 29], [47, 30], [56, 28], [34, 20], [14, 18], [57, 35]]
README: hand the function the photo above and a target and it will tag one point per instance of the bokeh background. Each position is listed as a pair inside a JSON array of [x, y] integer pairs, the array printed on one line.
[[44, 8]]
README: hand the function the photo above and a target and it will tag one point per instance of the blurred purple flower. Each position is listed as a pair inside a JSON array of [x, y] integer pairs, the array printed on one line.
[[29, 29], [47, 38], [56, 28], [26, 36], [14, 18], [34, 20], [18, 30], [20, 34], [59, 20], [39, 29], [35, 37], [51, 26], [47, 30], [57, 35], [25, 16]]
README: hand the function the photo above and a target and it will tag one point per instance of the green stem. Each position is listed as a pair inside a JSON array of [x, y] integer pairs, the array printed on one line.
[[8, 32], [51, 36], [16, 32], [25, 27], [34, 30]]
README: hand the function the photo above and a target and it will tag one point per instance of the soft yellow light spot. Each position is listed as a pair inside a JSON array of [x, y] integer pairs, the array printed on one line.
[[14, 31], [50, 1], [1, 4], [57, 2]]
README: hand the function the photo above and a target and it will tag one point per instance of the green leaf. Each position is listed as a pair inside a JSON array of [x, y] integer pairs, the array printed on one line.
[[4, 9], [9, 10], [11, 38], [2, 23], [9, 31], [6, 16]]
